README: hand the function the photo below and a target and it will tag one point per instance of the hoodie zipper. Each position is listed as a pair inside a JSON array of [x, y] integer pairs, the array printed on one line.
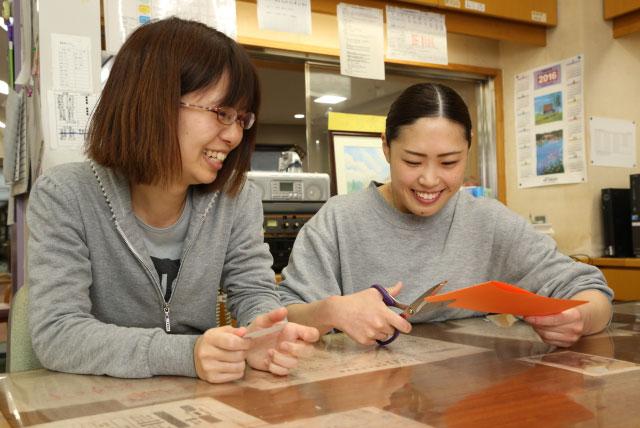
[[166, 308]]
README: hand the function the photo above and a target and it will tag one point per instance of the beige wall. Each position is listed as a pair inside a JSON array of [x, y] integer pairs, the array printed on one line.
[[611, 88]]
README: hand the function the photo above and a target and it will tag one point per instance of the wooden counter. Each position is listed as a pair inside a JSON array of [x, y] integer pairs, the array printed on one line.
[[465, 373], [622, 274]]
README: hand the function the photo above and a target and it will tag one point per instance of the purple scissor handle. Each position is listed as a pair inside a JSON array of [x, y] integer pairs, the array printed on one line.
[[416, 306]]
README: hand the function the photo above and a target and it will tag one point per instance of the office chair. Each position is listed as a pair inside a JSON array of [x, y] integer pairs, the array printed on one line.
[[20, 355]]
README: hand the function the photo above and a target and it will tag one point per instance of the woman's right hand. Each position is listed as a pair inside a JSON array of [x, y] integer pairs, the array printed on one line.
[[364, 317], [219, 354]]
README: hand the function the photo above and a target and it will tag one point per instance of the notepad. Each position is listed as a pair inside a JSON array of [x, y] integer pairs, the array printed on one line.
[[502, 298]]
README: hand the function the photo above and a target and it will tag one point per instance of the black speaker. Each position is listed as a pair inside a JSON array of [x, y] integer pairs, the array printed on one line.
[[635, 213], [616, 218]]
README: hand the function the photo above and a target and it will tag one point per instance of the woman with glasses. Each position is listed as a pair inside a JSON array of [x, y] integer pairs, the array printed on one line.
[[419, 229], [128, 251]]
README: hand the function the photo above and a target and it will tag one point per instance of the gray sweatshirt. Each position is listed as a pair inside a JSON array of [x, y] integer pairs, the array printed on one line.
[[95, 302], [358, 240]]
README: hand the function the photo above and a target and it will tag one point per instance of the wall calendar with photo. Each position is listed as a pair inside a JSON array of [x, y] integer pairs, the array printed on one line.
[[549, 109]]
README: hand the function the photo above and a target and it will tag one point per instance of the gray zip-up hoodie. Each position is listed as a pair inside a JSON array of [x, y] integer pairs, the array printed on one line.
[[95, 300]]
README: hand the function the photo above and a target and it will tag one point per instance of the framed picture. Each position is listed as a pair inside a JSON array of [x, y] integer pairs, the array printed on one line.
[[356, 159]]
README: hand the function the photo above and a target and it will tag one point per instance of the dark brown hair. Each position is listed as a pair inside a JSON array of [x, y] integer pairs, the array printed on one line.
[[427, 100], [134, 128]]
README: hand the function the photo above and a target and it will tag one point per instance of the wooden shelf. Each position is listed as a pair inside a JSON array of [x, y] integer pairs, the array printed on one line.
[[489, 24], [625, 16], [615, 8], [622, 274], [617, 262]]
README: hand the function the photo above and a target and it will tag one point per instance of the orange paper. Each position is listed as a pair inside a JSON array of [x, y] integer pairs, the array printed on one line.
[[502, 298]]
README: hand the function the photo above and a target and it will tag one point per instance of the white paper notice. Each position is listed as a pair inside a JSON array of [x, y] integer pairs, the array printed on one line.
[[122, 17], [71, 63], [68, 118], [219, 14], [290, 16], [587, 364], [370, 417], [336, 355], [361, 41], [199, 412], [613, 142], [413, 35], [550, 124]]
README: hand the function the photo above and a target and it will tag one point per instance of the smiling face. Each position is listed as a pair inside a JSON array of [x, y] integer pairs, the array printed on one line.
[[204, 141], [427, 162]]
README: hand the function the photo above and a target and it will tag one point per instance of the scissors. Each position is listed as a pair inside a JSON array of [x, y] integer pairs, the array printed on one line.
[[416, 306]]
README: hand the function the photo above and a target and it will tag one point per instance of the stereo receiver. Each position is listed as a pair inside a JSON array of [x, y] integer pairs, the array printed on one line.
[[291, 186]]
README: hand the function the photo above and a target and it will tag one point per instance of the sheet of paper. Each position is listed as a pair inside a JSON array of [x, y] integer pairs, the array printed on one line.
[[198, 412], [69, 114], [14, 136], [613, 142], [41, 389], [265, 331], [480, 326], [370, 417], [71, 63], [520, 330], [122, 17], [336, 355], [619, 329], [590, 365], [219, 14], [290, 16], [499, 297], [631, 308], [361, 41], [414, 35]]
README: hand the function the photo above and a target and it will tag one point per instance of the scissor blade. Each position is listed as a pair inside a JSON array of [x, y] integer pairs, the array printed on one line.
[[431, 306], [419, 304]]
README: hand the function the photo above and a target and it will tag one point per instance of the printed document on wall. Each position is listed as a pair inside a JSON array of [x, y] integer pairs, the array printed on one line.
[[71, 63], [613, 142], [414, 35], [549, 122], [124, 16], [69, 114], [361, 41], [289, 16]]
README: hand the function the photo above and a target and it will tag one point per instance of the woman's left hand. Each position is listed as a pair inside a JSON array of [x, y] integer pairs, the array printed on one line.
[[563, 329], [279, 352]]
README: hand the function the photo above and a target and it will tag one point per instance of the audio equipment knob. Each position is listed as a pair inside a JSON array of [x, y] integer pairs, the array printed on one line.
[[313, 192]]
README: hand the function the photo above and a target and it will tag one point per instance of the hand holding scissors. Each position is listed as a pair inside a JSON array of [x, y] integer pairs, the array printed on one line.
[[418, 305]]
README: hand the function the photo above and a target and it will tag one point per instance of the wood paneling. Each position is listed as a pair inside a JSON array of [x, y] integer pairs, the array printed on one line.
[[614, 8], [623, 276], [457, 20], [539, 12], [626, 24]]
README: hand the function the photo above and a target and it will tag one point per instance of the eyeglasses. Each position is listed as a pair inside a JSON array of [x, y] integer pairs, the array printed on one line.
[[227, 115]]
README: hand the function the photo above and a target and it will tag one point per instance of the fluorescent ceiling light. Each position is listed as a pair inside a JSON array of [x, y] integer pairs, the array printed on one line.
[[299, 116], [4, 87], [2, 125], [329, 99]]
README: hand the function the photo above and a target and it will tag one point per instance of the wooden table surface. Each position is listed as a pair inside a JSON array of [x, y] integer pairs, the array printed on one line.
[[466, 373]]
